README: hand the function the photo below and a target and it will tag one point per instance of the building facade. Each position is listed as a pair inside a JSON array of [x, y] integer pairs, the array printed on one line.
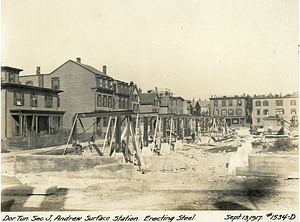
[[25, 108], [149, 102], [233, 109], [86, 89], [285, 107]]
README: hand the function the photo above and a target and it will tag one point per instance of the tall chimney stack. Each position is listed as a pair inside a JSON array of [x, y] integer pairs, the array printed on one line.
[[38, 70], [78, 60], [104, 69]]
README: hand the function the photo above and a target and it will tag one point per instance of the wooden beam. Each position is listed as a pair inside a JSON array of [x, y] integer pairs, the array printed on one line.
[[164, 129], [145, 131]]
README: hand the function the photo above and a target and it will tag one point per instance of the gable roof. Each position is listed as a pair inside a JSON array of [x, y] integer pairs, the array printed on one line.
[[204, 103], [87, 67]]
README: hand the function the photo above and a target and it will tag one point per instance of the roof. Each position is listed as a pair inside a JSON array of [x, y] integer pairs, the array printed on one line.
[[147, 98], [87, 67], [8, 67], [16, 85], [178, 97], [204, 103]]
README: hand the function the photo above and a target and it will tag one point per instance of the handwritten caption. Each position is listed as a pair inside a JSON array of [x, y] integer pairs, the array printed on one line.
[[52, 217], [269, 216], [150, 218]]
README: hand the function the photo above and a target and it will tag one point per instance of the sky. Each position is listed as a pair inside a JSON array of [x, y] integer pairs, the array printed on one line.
[[195, 48]]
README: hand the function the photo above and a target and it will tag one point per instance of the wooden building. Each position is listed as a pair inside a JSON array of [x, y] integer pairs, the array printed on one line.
[[86, 89], [27, 108]]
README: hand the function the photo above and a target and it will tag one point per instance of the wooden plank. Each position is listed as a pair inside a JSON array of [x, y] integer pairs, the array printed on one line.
[[74, 124]]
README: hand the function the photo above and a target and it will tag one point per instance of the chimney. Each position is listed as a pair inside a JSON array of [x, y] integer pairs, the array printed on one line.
[[78, 60], [40, 77], [104, 70], [38, 70]]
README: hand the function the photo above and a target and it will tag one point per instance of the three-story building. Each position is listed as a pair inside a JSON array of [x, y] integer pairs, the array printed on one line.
[[232, 108]]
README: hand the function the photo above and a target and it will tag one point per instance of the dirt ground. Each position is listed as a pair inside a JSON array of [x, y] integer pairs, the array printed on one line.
[[192, 179]]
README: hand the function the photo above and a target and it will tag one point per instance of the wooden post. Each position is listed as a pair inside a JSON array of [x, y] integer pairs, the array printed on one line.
[[21, 124], [94, 128], [36, 124], [178, 126], [107, 129], [49, 119], [118, 134], [74, 134], [164, 129], [184, 127], [127, 139], [196, 125], [150, 123], [145, 131], [74, 123], [138, 155], [112, 135], [171, 129]]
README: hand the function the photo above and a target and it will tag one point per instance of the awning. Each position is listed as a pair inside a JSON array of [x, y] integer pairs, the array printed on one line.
[[36, 112]]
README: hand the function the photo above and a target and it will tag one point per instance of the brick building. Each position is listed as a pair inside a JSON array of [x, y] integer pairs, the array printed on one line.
[[285, 107], [27, 108], [233, 109]]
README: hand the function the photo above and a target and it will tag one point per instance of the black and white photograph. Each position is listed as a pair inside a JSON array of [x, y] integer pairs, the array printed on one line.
[[152, 110]]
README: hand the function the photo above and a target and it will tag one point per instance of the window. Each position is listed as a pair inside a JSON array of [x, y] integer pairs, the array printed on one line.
[[19, 98], [223, 102], [29, 83], [128, 103], [293, 102], [113, 103], [100, 82], [106, 84], [279, 111], [11, 77], [258, 112], [224, 112], [279, 102], [55, 83], [230, 112], [33, 99], [109, 101], [104, 101], [58, 101], [216, 113], [115, 87], [110, 85], [266, 112], [293, 111], [265, 103], [99, 100], [258, 120], [258, 103], [216, 103], [239, 102], [239, 112], [230, 102], [48, 101]]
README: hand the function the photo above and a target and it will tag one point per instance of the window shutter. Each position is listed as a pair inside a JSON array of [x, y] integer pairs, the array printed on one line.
[[22, 98], [52, 83], [51, 101], [31, 100], [15, 98]]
